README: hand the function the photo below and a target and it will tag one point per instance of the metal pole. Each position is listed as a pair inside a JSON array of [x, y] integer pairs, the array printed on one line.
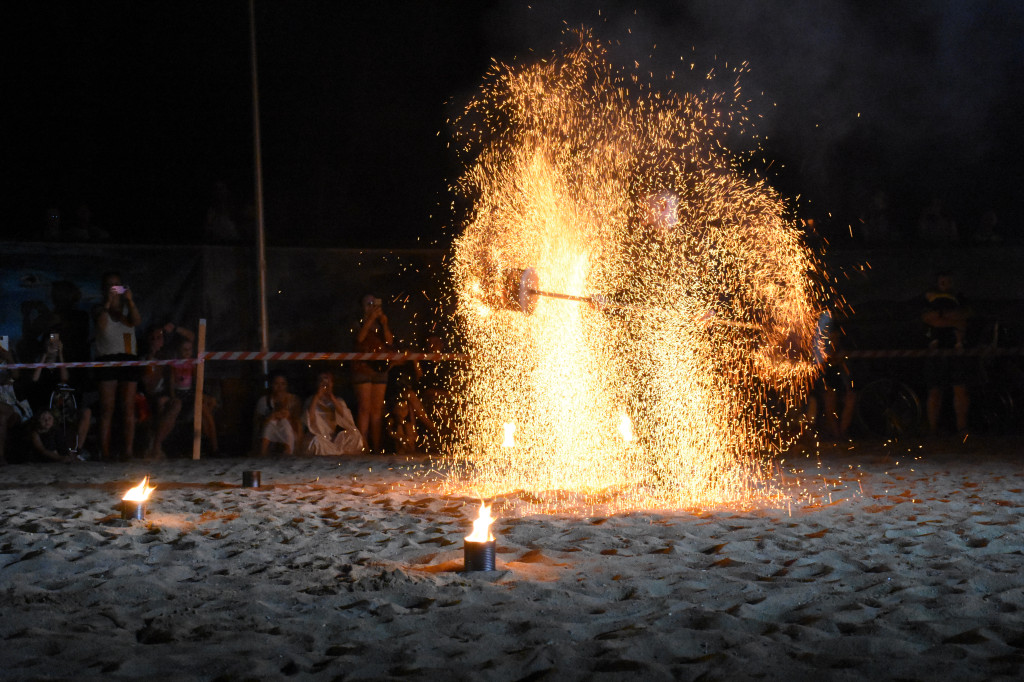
[[261, 251]]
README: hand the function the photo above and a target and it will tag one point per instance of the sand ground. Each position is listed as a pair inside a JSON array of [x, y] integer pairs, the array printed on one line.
[[889, 563]]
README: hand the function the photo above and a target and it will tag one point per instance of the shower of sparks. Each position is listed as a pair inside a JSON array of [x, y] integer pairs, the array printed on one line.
[[668, 396]]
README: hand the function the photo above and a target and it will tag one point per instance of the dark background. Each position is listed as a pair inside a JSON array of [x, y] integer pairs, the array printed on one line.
[[137, 108]]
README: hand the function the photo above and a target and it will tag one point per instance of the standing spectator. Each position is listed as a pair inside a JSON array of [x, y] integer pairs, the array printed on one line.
[[946, 318], [370, 377], [115, 320], [278, 417], [834, 380]]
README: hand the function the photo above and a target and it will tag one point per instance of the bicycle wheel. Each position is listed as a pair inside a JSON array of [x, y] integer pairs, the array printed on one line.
[[888, 409]]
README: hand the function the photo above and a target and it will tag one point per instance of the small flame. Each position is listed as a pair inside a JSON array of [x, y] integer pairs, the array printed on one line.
[[626, 428], [139, 493], [510, 440], [482, 526]]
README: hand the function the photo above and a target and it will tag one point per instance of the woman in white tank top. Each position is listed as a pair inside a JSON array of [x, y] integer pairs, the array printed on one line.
[[115, 320]]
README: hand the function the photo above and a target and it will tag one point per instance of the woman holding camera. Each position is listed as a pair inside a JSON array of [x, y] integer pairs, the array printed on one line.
[[370, 377], [115, 320]]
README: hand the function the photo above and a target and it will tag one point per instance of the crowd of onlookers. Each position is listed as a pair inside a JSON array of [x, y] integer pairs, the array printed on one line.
[[124, 411]]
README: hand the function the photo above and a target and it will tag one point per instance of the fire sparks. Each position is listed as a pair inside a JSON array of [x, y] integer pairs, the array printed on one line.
[[699, 291], [510, 436], [139, 493], [625, 428]]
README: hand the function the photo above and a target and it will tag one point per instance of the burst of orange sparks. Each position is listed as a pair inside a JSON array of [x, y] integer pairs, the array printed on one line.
[[602, 184]]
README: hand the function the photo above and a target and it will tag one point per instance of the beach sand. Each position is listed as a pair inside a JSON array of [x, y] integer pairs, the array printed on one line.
[[888, 563]]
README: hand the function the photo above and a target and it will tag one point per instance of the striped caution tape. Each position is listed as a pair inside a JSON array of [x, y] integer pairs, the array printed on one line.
[[245, 355], [442, 357], [181, 362], [274, 356], [932, 352]]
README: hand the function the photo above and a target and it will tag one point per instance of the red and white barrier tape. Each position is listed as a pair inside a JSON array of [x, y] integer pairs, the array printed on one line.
[[244, 355], [273, 356], [931, 352], [116, 363], [438, 357]]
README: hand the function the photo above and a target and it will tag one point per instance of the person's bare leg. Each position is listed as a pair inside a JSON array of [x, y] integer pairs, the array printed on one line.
[[127, 391], [8, 418], [377, 392], [934, 409], [961, 406], [363, 398], [811, 413], [209, 425], [829, 408], [84, 420], [168, 410], [289, 443], [108, 399], [846, 418]]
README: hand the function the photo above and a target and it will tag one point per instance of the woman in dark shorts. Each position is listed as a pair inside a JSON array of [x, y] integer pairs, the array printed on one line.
[[370, 377], [115, 320]]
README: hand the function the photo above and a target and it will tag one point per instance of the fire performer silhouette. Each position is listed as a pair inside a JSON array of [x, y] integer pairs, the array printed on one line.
[[589, 190]]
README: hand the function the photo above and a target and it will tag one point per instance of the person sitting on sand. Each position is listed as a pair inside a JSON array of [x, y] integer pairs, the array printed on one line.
[[401, 428], [278, 417], [46, 442], [330, 423]]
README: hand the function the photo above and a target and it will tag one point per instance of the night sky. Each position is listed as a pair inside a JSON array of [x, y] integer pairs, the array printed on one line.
[[137, 108]]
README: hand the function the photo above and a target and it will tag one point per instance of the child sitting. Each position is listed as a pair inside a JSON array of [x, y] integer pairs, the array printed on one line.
[[401, 428], [47, 443]]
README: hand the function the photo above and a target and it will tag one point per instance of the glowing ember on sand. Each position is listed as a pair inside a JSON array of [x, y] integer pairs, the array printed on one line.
[[139, 493], [614, 192]]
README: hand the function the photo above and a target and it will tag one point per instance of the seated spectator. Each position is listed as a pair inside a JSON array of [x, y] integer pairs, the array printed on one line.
[[436, 385], [162, 407], [10, 411], [428, 438], [50, 390], [331, 427], [278, 417], [47, 442], [182, 386], [401, 428]]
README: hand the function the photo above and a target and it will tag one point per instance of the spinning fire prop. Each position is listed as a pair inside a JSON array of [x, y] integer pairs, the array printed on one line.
[[654, 391], [133, 504]]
